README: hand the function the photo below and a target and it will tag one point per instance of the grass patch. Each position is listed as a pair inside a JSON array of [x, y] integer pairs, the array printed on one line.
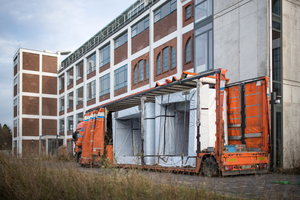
[[48, 179]]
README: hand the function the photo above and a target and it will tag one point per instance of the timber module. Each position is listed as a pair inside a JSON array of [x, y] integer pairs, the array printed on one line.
[[197, 124]]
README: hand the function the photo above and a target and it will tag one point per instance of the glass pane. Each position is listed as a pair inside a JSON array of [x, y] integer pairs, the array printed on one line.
[[276, 7], [158, 65], [165, 10], [166, 59], [173, 53], [188, 12], [277, 89], [276, 64], [203, 28], [210, 54], [156, 15], [147, 69], [188, 49], [201, 53], [203, 10], [141, 70], [135, 74]]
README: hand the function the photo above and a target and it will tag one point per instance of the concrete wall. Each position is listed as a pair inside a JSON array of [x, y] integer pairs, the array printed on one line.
[[241, 38], [291, 82]]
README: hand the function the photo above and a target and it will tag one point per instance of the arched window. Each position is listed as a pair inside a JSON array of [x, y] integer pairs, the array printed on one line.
[[158, 64], [166, 59], [188, 51], [147, 69], [173, 57], [141, 70], [135, 74]]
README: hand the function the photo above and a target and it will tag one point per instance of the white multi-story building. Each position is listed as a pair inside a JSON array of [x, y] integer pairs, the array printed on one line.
[[154, 40]]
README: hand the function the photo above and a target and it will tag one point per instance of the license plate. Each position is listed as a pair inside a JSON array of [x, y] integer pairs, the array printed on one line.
[[246, 166]]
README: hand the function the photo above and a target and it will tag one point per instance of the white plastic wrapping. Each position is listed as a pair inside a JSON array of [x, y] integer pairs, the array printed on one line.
[[208, 117], [175, 137], [127, 135]]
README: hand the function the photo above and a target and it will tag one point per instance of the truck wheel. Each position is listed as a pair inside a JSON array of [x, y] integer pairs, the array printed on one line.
[[210, 167], [79, 158]]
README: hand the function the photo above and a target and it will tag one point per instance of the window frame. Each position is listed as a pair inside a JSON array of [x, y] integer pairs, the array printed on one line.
[[89, 59], [68, 100], [102, 50], [171, 59], [61, 125], [102, 80], [78, 66], [77, 97], [189, 42], [91, 88], [117, 72], [188, 15], [144, 22], [135, 69], [69, 82], [116, 41], [158, 11], [62, 82], [61, 103], [68, 123]]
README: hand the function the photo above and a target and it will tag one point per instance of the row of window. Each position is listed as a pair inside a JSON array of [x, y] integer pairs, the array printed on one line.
[[120, 77], [79, 118], [136, 29], [165, 61]]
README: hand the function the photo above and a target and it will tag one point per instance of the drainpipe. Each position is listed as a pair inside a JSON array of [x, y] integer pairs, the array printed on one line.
[[271, 48]]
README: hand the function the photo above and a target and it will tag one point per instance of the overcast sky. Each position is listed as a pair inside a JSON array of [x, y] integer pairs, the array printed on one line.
[[47, 25]]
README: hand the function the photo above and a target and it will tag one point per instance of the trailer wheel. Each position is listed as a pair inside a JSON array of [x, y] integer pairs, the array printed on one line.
[[79, 158], [210, 167]]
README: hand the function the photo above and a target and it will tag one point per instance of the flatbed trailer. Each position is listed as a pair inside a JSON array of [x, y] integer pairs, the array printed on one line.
[[246, 126]]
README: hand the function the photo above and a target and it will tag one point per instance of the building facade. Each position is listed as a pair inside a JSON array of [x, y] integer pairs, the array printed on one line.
[[35, 98], [154, 40]]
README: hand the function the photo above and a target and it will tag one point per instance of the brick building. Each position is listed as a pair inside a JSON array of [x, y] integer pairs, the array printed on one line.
[[154, 40]]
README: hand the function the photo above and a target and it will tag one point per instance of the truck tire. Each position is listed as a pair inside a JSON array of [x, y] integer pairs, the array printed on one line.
[[79, 158], [210, 167]]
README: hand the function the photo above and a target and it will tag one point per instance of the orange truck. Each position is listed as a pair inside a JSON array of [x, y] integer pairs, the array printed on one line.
[[242, 131]]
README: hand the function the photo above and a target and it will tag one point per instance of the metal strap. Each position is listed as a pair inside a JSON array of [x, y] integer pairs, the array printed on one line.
[[234, 126], [234, 137], [252, 135]]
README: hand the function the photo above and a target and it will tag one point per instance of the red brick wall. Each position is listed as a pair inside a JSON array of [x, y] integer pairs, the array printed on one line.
[[49, 85], [104, 67], [104, 97], [30, 105], [49, 127], [28, 148], [92, 74], [140, 41], [31, 61], [15, 111], [158, 50], [61, 91], [120, 53], [15, 90], [91, 102], [135, 63], [190, 20], [79, 106], [70, 86], [70, 110], [15, 132], [185, 38], [165, 26], [79, 81], [62, 112], [15, 69], [120, 91], [30, 83], [49, 64], [49, 106], [30, 127]]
